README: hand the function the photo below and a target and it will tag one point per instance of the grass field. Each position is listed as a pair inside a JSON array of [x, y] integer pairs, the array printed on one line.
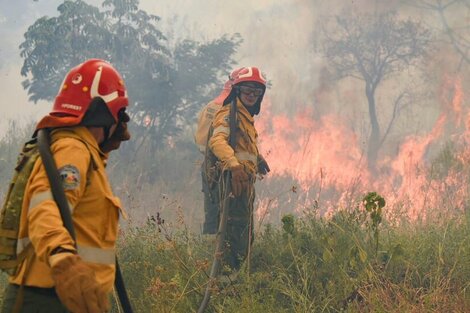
[[346, 263]]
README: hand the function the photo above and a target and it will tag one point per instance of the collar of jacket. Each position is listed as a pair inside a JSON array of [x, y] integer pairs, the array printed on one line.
[[242, 110], [83, 134]]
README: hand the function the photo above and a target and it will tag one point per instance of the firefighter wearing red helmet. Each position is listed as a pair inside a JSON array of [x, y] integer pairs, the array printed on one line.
[[87, 121], [241, 159], [205, 118]]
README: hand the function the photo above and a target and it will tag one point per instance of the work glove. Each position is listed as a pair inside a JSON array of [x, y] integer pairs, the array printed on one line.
[[239, 180], [76, 285], [121, 133], [263, 167]]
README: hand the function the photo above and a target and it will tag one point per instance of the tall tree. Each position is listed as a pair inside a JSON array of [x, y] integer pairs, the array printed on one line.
[[371, 48], [53, 45], [166, 85]]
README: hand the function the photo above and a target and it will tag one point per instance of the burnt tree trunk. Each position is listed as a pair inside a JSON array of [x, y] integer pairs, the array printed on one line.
[[374, 139]]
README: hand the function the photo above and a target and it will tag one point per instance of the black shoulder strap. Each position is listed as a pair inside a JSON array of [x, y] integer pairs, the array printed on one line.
[[54, 181], [59, 197], [233, 123]]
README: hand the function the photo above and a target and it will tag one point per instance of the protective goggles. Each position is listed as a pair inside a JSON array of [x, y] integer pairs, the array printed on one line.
[[247, 90]]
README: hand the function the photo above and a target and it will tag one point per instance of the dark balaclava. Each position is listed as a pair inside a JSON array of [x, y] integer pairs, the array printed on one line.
[[98, 115], [253, 110]]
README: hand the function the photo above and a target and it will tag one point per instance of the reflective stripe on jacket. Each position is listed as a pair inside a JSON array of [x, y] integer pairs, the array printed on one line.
[[246, 150], [95, 210]]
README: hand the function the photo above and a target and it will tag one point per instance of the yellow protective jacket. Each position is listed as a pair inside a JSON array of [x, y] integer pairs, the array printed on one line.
[[95, 210], [246, 149]]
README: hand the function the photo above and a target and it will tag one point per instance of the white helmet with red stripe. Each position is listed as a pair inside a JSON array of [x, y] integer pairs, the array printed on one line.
[[249, 74]]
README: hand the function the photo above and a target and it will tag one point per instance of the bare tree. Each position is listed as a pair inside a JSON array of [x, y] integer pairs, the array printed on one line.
[[458, 36], [371, 48]]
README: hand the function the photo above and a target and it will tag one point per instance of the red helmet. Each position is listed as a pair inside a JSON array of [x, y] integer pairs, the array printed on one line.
[[93, 78], [249, 74]]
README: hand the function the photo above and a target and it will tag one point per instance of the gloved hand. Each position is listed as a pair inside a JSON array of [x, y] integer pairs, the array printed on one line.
[[263, 167], [239, 180], [121, 133], [76, 285]]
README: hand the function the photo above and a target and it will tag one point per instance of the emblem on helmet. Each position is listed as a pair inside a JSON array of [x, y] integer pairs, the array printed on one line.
[[77, 79]]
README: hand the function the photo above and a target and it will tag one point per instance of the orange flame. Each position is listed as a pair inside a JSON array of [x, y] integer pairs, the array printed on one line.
[[327, 160]]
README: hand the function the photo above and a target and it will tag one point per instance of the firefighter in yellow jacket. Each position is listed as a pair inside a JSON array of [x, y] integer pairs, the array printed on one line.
[[243, 162], [205, 118], [87, 121]]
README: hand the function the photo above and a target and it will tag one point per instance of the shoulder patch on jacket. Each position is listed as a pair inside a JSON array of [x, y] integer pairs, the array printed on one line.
[[70, 177]]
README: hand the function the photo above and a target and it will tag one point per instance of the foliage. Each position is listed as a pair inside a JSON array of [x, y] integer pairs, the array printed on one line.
[[374, 203], [53, 45], [167, 84], [322, 266], [288, 224]]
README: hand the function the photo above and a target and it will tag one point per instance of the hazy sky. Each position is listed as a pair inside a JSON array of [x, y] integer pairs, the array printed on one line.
[[277, 38], [15, 17], [275, 33]]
